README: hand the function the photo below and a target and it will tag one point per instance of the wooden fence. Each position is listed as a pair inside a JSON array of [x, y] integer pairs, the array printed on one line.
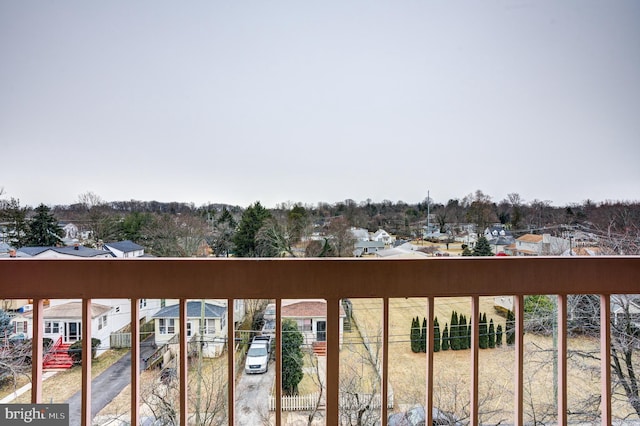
[[296, 403], [347, 402]]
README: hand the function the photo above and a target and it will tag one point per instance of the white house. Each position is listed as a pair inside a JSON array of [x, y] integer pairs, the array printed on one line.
[[68, 252], [383, 236], [214, 326], [537, 245], [63, 318], [65, 321], [124, 249]]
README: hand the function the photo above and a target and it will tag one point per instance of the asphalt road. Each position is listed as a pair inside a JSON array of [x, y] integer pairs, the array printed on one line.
[[106, 386], [252, 397]]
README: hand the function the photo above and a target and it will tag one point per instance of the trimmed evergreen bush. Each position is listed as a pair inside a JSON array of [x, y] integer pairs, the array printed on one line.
[[492, 335], [415, 335], [436, 335], [453, 332], [446, 340], [75, 350], [423, 336]]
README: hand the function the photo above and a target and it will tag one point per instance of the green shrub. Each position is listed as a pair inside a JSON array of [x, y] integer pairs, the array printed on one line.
[[75, 350]]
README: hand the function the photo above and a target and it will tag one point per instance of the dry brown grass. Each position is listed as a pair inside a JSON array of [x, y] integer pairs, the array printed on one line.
[[407, 370], [64, 384]]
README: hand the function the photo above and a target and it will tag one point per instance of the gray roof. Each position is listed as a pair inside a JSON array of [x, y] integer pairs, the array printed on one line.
[[4, 247], [193, 310], [125, 246], [79, 251]]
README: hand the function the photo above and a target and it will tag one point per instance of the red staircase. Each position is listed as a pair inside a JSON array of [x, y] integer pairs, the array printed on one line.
[[57, 358], [319, 348]]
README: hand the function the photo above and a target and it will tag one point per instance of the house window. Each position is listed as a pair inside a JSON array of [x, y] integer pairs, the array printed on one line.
[[143, 303], [209, 326], [223, 322], [117, 309], [189, 329], [21, 327], [305, 324], [102, 322], [166, 326], [51, 327]]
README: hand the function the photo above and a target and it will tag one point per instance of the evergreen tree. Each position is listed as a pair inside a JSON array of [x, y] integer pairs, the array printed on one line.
[[436, 335], [423, 336], [6, 328], [44, 230], [492, 335], [252, 220], [415, 335], [482, 248], [446, 340], [499, 335], [511, 328], [453, 332], [463, 335], [14, 218], [483, 340], [292, 357], [469, 330]]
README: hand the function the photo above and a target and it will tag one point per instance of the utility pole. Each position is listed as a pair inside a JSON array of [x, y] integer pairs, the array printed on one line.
[[428, 213]]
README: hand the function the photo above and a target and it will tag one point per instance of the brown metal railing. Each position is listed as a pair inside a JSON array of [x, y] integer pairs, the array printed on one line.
[[333, 280]]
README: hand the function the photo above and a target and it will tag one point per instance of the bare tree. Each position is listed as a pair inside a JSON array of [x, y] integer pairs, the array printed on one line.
[[161, 396]]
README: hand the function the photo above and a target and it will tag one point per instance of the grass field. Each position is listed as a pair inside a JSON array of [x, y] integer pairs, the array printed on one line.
[[407, 370]]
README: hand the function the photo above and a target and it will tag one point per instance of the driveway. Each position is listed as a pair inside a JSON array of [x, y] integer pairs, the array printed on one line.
[[107, 385], [252, 397]]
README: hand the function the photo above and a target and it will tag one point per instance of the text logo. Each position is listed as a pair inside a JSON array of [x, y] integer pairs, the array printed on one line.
[[34, 414]]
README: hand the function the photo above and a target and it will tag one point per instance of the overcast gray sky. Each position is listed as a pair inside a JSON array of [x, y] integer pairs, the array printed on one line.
[[319, 101]]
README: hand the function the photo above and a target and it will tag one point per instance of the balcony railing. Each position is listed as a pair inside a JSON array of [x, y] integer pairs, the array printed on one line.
[[333, 280]]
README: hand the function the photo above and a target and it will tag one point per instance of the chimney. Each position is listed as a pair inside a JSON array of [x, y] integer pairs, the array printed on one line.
[[12, 253], [76, 246]]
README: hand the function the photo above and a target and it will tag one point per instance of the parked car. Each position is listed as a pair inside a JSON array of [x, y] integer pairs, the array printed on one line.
[[270, 312], [258, 355]]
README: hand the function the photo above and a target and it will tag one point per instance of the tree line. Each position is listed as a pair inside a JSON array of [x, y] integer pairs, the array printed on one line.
[[457, 335], [296, 229]]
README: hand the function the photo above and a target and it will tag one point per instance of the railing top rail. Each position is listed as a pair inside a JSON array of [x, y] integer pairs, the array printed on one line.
[[316, 278]]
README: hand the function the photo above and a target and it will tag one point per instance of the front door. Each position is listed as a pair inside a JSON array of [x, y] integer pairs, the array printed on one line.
[[72, 332], [321, 331]]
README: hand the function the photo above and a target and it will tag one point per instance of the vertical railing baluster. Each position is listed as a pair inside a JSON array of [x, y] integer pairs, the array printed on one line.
[[36, 349], [183, 365], [605, 358], [518, 307], [231, 366], [429, 379], [562, 359], [333, 360], [384, 386], [475, 348], [278, 395], [86, 362], [135, 360]]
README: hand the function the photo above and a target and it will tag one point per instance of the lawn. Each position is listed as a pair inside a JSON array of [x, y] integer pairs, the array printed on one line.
[[63, 384], [407, 370]]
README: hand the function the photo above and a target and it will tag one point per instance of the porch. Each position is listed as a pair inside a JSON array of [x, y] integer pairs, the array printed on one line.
[[332, 280]]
